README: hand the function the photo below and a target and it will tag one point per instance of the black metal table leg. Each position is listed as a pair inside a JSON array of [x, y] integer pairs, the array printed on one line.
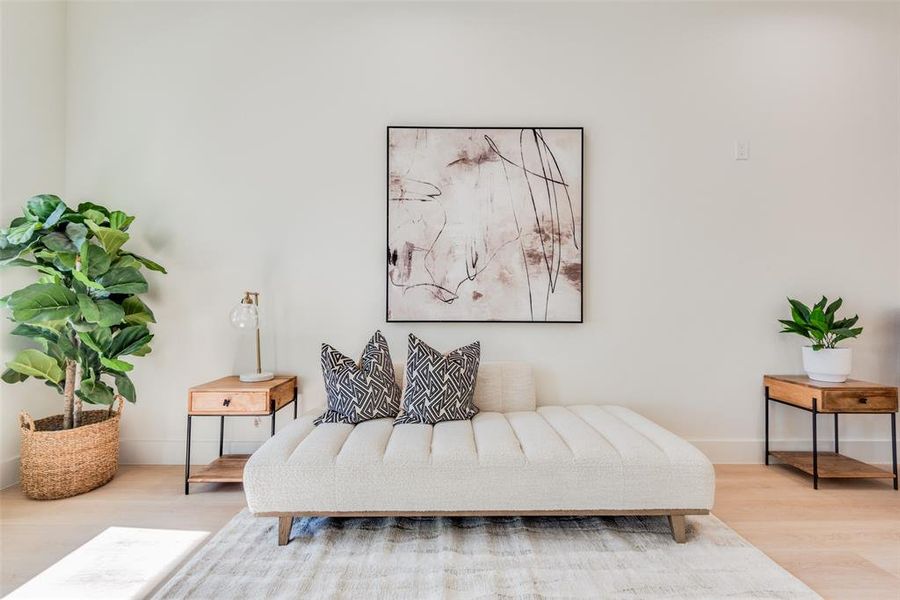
[[187, 457], [295, 407], [273, 422], [767, 424], [836, 447], [221, 433], [815, 445], [894, 446]]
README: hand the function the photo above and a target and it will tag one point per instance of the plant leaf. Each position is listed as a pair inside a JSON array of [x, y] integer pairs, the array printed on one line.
[[110, 313], [50, 276], [37, 364], [845, 333], [64, 261], [20, 220], [90, 342], [143, 351], [43, 302], [126, 260], [55, 216], [128, 340], [116, 365], [66, 347], [10, 254], [56, 386], [95, 392], [43, 205], [95, 216], [792, 327], [125, 387], [80, 276], [787, 323], [103, 336], [10, 376], [817, 319], [88, 307], [94, 260], [21, 234], [801, 309], [119, 220], [148, 263], [55, 352], [58, 242], [79, 325], [846, 323], [832, 308], [112, 239], [97, 340], [35, 332], [21, 262], [77, 232], [85, 206], [123, 281], [136, 312]]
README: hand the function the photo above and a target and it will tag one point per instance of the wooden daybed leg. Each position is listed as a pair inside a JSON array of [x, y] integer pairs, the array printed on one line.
[[284, 530], [676, 522]]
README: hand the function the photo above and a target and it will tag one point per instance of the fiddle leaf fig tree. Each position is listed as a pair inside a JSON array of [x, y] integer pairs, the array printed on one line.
[[84, 313]]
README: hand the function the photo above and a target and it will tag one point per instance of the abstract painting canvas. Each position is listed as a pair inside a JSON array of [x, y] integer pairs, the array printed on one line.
[[484, 224]]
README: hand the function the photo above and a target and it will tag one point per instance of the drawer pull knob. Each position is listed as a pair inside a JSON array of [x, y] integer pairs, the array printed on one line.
[[863, 400], [226, 401]]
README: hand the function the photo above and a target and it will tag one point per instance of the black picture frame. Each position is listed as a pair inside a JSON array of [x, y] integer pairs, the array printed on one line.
[[387, 282]]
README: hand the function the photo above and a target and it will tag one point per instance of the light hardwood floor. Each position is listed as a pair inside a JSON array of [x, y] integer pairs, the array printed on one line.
[[842, 540]]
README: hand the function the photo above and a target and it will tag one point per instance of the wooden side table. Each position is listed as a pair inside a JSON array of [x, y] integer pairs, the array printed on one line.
[[816, 397], [230, 397]]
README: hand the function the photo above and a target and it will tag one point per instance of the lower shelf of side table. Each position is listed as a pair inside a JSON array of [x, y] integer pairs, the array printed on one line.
[[226, 468], [831, 465]]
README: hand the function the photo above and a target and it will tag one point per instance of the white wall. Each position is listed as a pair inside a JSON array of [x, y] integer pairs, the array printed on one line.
[[32, 149], [249, 141]]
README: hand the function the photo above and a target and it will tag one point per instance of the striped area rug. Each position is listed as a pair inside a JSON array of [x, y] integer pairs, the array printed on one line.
[[512, 557]]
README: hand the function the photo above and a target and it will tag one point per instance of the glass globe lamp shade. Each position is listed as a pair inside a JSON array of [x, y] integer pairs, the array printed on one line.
[[245, 316]]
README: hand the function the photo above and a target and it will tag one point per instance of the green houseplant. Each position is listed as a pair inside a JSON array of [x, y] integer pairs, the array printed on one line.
[[86, 317], [822, 359]]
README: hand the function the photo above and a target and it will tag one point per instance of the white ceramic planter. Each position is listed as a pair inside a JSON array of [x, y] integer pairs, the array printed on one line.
[[828, 364]]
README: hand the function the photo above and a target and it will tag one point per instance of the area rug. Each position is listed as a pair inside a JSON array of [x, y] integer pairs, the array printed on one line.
[[514, 557]]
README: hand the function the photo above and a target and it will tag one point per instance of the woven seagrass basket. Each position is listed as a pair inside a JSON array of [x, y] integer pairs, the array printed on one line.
[[58, 463]]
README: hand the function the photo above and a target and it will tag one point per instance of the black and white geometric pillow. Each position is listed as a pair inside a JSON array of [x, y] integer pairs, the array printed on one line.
[[439, 387], [358, 393]]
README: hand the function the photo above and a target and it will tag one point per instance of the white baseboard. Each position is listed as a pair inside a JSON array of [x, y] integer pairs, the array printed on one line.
[[172, 452], [9, 472], [719, 451], [750, 452]]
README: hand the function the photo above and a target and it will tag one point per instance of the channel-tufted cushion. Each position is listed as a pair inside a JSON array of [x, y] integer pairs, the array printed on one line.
[[586, 457]]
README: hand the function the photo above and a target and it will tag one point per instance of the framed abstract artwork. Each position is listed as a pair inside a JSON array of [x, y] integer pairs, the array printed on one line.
[[485, 224]]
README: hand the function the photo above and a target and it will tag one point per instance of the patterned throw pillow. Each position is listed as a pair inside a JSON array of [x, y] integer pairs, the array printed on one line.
[[439, 387], [360, 393]]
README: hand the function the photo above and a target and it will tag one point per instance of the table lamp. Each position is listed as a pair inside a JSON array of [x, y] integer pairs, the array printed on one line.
[[245, 316]]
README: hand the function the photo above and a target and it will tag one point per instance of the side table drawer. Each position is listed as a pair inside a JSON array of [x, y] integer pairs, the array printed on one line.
[[284, 393], [225, 402], [858, 400]]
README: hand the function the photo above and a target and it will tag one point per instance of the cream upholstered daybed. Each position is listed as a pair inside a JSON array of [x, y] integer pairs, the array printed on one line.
[[512, 458]]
